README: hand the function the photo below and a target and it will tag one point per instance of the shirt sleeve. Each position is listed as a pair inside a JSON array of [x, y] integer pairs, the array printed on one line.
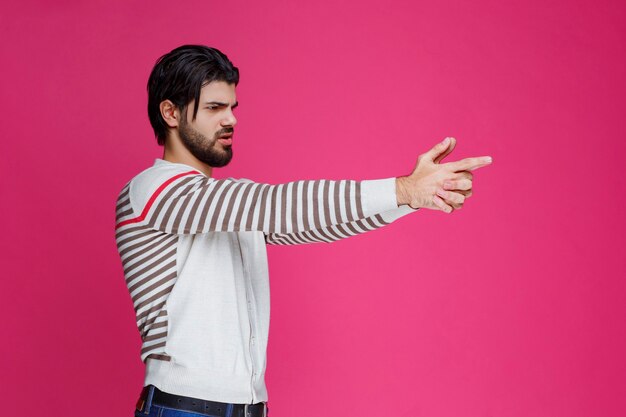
[[340, 231], [190, 203]]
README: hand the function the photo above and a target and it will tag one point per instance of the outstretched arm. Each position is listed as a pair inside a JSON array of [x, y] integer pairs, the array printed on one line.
[[182, 201]]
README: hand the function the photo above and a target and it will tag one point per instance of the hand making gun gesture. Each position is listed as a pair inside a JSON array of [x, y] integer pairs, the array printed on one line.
[[439, 186]]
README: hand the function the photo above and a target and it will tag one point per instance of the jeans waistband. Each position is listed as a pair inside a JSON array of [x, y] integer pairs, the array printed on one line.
[[151, 397]]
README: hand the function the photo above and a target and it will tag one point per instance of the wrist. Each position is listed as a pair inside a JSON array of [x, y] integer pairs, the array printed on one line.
[[401, 195]]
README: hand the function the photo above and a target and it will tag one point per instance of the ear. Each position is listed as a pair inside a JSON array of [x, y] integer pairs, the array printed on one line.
[[170, 113]]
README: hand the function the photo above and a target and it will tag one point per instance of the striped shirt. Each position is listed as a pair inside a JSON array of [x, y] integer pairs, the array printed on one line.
[[193, 250]]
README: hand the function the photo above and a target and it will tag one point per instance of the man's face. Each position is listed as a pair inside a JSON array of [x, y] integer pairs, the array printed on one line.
[[215, 119]]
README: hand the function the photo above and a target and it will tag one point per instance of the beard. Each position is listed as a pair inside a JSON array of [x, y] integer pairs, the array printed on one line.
[[208, 151]]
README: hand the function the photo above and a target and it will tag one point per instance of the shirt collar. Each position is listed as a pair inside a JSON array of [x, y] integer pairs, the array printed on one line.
[[159, 162]]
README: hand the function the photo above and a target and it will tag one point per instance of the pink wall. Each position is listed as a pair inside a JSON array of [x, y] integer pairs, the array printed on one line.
[[513, 306]]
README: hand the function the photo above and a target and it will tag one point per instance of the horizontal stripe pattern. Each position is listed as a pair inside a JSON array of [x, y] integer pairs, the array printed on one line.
[[306, 211], [149, 263], [327, 234], [194, 203]]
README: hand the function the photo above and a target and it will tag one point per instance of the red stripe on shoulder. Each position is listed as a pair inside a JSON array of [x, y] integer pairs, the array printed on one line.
[[154, 196]]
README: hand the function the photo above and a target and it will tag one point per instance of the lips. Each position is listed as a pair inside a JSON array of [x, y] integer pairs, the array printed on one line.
[[226, 140]]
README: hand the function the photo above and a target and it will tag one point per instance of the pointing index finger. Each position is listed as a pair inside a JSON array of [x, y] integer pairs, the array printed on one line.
[[470, 164]]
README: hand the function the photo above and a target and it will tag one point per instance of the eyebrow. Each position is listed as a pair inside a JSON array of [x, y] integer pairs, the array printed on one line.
[[219, 103]]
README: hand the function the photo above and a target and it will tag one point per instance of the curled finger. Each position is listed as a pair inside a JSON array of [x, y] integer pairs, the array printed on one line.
[[459, 184], [453, 198], [442, 204]]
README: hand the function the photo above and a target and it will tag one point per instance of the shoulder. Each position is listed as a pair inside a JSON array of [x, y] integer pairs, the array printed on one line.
[[151, 182], [245, 180]]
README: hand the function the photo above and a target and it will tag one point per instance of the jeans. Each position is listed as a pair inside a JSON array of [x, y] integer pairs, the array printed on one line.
[[150, 409]]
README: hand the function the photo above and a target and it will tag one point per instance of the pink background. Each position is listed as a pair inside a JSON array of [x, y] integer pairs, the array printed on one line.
[[512, 306]]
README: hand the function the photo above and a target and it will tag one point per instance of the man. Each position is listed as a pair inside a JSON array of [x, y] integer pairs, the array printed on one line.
[[193, 247]]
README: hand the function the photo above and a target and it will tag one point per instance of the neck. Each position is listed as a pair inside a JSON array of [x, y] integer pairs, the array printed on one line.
[[175, 151]]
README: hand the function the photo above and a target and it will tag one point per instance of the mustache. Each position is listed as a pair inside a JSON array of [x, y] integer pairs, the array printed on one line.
[[223, 132]]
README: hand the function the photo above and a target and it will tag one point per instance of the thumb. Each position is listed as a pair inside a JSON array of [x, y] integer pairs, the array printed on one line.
[[437, 150]]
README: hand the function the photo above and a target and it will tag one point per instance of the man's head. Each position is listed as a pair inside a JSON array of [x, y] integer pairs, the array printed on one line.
[[205, 77]]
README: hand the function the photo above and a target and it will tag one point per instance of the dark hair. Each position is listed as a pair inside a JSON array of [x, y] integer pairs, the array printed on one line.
[[179, 76]]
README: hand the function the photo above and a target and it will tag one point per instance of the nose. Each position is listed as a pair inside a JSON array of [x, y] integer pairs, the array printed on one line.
[[230, 119]]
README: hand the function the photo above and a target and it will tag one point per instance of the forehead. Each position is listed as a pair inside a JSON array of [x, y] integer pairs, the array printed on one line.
[[218, 91]]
